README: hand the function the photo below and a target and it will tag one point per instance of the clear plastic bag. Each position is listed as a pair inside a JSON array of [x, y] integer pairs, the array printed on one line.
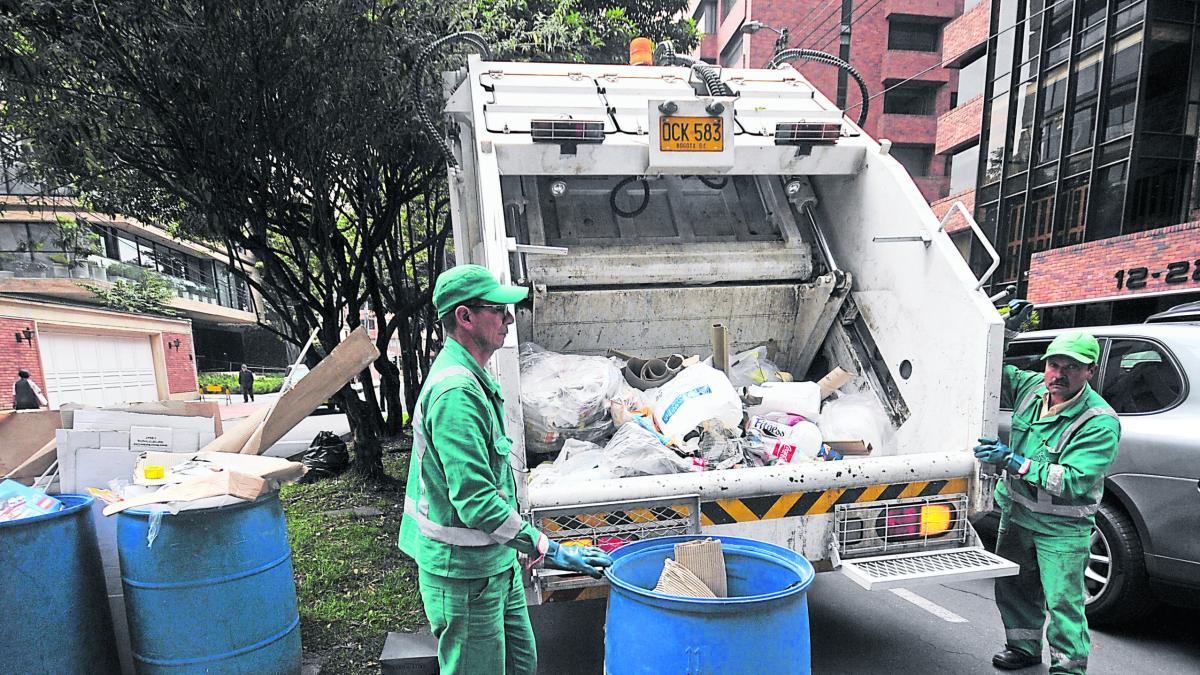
[[752, 367], [564, 396], [636, 451], [852, 417]]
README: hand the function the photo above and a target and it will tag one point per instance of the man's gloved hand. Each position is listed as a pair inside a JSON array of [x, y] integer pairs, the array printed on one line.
[[587, 560], [1018, 313], [994, 451]]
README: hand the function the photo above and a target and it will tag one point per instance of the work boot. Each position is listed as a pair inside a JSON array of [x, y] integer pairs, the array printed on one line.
[[1011, 659]]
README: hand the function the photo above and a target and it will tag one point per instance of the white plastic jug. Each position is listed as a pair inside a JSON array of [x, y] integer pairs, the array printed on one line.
[[798, 398]]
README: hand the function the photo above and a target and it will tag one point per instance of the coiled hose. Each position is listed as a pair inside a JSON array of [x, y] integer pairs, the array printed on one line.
[[830, 60], [664, 55], [469, 37]]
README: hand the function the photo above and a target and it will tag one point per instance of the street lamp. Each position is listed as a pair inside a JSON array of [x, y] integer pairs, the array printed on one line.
[[781, 42]]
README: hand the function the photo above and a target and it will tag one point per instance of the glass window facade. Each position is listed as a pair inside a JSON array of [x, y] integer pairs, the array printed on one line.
[[1084, 94]]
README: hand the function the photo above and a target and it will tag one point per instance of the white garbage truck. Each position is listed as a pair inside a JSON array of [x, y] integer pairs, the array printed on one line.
[[642, 205]]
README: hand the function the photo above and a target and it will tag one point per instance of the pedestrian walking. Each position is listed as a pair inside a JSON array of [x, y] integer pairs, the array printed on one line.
[[1063, 439], [461, 522], [27, 395], [246, 383]]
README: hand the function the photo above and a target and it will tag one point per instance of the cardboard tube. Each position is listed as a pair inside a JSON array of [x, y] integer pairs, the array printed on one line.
[[720, 344]]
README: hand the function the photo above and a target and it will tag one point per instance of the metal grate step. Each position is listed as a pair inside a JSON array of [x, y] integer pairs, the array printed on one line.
[[910, 569]]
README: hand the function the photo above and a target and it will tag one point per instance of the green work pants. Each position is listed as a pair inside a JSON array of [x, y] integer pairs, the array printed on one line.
[[482, 625], [1051, 578]]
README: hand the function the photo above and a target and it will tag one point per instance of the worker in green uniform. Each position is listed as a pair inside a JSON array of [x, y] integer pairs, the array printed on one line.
[[1063, 439], [461, 522]]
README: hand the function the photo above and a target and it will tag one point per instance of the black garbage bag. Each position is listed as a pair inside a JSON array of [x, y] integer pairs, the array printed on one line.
[[326, 457]]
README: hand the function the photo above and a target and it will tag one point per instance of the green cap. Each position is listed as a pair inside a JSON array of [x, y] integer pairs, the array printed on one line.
[[472, 282], [1078, 345]]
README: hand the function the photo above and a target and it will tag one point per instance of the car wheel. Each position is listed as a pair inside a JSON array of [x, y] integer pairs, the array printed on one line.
[[1116, 585]]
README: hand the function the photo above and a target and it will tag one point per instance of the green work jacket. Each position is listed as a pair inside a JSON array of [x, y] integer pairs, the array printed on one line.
[[1069, 453], [460, 506]]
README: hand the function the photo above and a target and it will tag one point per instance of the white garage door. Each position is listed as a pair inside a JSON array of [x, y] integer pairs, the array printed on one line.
[[97, 369]]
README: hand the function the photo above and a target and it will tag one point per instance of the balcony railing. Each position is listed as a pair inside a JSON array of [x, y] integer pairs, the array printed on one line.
[[22, 265]]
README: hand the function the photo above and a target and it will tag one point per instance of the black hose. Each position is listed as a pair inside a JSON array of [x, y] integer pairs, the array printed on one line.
[[716, 184], [475, 40], [664, 55], [831, 60], [612, 197]]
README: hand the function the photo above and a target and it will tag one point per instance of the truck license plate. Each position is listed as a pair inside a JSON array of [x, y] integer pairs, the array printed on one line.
[[691, 134]]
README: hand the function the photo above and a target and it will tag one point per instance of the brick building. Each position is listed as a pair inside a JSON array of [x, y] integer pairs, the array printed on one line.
[[79, 351], [889, 42], [1073, 141]]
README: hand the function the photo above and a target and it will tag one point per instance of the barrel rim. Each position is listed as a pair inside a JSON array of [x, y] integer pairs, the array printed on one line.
[[81, 502], [754, 548], [150, 509]]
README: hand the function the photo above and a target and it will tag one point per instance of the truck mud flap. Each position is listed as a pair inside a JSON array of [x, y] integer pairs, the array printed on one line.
[[910, 569]]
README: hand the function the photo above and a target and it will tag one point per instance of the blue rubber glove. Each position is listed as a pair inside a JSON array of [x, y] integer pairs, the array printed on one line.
[[994, 451], [1018, 312], [587, 560]]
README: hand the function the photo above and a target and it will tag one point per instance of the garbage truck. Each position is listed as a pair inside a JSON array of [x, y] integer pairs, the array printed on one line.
[[643, 204]]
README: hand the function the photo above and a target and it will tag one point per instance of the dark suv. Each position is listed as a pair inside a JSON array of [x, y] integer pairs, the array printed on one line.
[[1146, 545]]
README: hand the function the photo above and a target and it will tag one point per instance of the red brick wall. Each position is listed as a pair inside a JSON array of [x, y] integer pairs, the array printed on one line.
[[1089, 271], [957, 222], [966, 32], [14, 357], [181, 365], [959, 127], [868, 49]]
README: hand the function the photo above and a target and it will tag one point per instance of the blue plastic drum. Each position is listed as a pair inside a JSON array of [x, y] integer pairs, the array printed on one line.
[[761, 628], [214, 593], [55, 611]]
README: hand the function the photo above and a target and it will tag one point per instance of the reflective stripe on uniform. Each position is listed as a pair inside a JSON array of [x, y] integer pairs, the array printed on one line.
[[1055, 474], [1045, 503], [1079, 421], [1023, 634], [1026, 401], [419, 509], [463, 536]]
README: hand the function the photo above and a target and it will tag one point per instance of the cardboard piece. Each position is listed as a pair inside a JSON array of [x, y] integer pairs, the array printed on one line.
[[23, 436], [833, 381], [180, 467], [208, 409], [679, 580], [151, 439], [705, 559], [215, 484], [269, 424], [855, 447]]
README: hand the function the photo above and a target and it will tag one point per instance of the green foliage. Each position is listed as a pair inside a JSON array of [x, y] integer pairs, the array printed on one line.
[[263, 384], [352, 582], [74, 240], [578, 30], [150, 294]]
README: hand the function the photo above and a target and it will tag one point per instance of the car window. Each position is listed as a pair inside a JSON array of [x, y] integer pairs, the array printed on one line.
[[1026, 355], [1140, 377]]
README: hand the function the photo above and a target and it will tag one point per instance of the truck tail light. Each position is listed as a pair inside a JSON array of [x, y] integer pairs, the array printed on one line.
[[806, 133], [566, 131], [907, 523]]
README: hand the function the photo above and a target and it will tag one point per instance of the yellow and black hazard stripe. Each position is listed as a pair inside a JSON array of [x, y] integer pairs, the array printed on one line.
[[750, 509]]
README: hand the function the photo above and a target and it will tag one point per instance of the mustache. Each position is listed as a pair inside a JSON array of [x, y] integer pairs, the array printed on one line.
[[1059, 382]]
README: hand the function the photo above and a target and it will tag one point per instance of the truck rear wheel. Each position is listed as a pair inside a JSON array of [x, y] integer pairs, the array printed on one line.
[[1118, 589]]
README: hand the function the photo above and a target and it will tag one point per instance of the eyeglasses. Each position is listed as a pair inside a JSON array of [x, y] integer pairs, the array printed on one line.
[[499, 309]]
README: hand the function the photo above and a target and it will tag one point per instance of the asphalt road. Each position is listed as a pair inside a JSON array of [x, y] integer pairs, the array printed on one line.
[[951, 628]]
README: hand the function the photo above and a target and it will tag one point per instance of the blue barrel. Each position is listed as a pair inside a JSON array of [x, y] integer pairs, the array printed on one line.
[[214, 593], [761, 628], [53, 609]]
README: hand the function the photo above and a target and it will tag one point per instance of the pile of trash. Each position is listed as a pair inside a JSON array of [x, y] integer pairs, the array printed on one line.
[[623, 416]]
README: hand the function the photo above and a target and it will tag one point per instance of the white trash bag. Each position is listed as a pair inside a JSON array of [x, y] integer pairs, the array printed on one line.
[[698, 393]]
